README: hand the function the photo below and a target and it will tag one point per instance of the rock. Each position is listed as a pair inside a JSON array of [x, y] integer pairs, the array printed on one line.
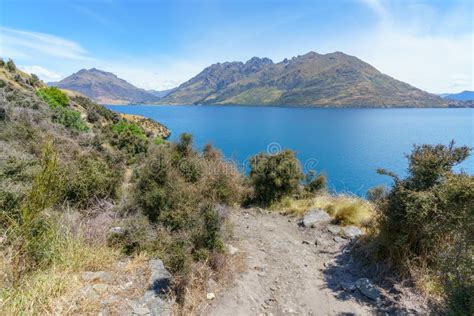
[[141, 311], [346, 286], [334, 229], [210, 296], [305, 242], [100, 288], [315, 216], [96, 276], [368, 289], [339, 239], [88, 293], [160, 278], [231, 249], [352, 232]]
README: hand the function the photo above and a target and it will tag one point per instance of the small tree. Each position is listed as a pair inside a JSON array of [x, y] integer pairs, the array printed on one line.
[[11, 66], [427, 218], [275, 176], [33, 80], [2, 62]]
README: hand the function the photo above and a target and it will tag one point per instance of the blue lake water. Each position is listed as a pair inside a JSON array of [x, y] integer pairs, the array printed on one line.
[[346, 144]]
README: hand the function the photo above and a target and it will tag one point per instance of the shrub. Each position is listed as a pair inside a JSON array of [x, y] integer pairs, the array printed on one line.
[[70, 119], [2, 62], [90, 177], [426, 219], [11, 67], [315, 183], [29, 230], [53, 96], [33, 80], [376, 194], [129, 137], [274, 176], [182, 202]]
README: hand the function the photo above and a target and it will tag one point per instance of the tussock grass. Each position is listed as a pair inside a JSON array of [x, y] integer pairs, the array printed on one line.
[[50, 290], [345, 209]]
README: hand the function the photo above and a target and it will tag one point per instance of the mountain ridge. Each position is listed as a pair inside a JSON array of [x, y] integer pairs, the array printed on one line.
[[465, 95], [316, 80], [105, 87]]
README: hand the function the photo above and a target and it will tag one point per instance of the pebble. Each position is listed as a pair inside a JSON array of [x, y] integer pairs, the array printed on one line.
[[210, 296]]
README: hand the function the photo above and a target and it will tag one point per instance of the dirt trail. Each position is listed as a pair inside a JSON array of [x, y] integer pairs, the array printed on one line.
[[285, 271]]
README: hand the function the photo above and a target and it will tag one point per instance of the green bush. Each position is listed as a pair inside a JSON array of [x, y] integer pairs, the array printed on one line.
[[33, 80], [53, 96], [90, 177], [426, 219], [129, 137], [70, 119], [29, 229], [178, 189], [315, 183], [274, 176], [11, 67]]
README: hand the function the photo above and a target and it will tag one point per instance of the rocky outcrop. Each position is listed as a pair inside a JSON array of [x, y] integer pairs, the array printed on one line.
[[151, 127]]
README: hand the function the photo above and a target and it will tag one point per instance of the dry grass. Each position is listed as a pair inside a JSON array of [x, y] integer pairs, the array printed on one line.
[[51, 290], [345, 209]]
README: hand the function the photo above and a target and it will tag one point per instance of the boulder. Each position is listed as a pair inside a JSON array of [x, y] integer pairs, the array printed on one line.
[[314, 217], [160, 278], [352, 232], [334, 229], [368, 289]]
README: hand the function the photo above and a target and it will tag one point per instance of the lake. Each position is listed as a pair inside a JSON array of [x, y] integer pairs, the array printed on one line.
[[348, 145]]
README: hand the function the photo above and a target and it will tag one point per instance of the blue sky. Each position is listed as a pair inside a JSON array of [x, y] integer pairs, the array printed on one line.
[[160, 44]]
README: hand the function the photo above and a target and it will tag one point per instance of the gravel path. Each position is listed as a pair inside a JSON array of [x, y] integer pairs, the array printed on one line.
[[286, 271]]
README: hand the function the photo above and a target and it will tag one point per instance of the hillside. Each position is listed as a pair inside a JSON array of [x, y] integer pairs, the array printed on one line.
[[461, 96], [105, 87], [330, 80]]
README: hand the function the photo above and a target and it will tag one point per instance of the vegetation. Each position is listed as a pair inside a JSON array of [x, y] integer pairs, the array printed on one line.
[[11, 67], [53, 96], [168, 200], [59, 101], [425, 222], [274, 176]]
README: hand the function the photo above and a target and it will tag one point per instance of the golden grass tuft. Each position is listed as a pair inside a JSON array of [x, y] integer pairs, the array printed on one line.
[[345, 209], [50, 290]]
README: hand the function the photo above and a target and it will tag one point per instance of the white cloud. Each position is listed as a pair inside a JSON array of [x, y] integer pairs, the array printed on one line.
[[41, 72], [408, 49], [26, 44]]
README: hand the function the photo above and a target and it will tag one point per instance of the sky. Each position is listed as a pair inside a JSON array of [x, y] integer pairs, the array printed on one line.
[[161, 44]]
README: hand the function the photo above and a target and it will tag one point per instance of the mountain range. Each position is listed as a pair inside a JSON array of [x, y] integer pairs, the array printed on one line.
[[315, 80], [105, 88]]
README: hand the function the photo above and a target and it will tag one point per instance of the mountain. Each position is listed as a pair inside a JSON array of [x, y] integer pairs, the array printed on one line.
[[161, 93], [461, 96], [105, 87], [330, 80]]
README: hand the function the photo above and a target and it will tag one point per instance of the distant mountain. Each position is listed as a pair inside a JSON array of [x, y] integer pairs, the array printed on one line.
[[161, 93], [461, 96], [105, 87], [331, 80]]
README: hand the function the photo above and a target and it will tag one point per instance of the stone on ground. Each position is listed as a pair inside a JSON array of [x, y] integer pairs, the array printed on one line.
[[314, 217]]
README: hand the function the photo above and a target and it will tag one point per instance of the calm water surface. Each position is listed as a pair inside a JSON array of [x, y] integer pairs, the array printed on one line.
[[346, 144]]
